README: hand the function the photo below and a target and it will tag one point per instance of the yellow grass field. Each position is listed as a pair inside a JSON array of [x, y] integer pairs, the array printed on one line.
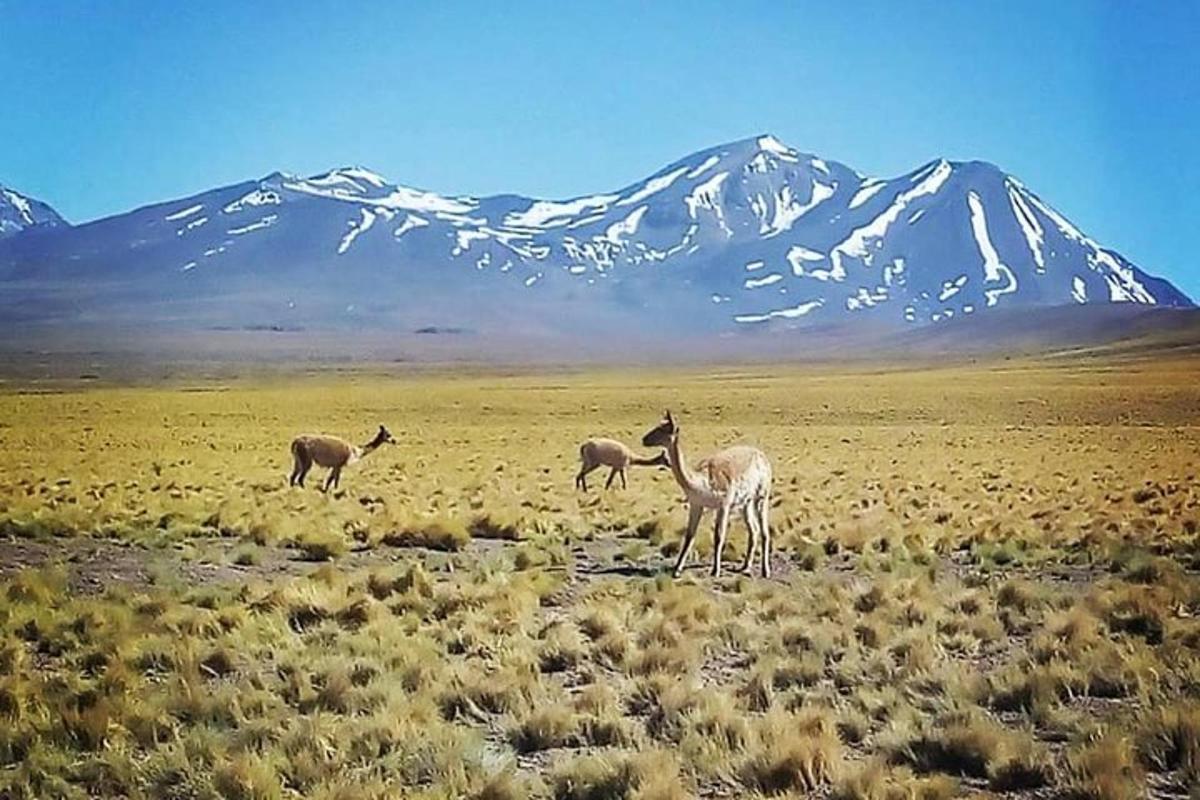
[[985, 583]]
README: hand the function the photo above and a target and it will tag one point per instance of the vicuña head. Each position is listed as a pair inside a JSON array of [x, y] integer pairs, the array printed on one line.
[[332, 453], [734, 479], [662, 434]]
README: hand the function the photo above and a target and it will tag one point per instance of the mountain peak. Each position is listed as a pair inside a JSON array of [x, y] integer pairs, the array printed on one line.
[[360, 173], [19, 212], [771, 143]]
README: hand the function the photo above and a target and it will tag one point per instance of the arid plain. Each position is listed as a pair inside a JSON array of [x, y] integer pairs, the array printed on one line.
[[985, 583]]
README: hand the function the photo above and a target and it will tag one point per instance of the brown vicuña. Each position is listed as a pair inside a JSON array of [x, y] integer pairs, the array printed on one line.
[[329, 452], [734, 479], [596, 453]]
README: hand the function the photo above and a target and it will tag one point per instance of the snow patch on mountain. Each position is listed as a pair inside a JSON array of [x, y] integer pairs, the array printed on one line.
[[797, 255], [993, 269], [618, 232], [788, 209], [704, 166], [187, 212], [783, 313], [856, 244], [20, 204], [652, 187], [1030, 227], [868, 190], [411, 222], [193, 224], [706, 195], [357, 228], [265, 222], [766, 280], [1123, 283], [553, 213], [770, 144]]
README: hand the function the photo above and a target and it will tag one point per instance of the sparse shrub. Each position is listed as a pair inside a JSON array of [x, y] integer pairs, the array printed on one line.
[[36, 587], [970, 744], [877, 781], [436, 533], [870, 600], [320, 545], [355, 614], [795, 753], [547, 727], [853, 727], [495, 525], [1136, 613], [613, 649], [247, 777], [414, 579], [798, 672], [651, 775], [247, 555], [219, 662], [1105, 770], [505, 785], [655, 529], [335, 692], [598, 623], [561, 649], [1168, 738]]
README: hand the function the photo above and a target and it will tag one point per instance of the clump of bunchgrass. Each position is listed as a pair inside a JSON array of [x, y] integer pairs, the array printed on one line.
[[794, 752], [444, 533], [1106, 769]]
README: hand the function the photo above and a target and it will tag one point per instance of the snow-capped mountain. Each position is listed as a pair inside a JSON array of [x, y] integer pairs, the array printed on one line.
[[746, 235], [19, 213]]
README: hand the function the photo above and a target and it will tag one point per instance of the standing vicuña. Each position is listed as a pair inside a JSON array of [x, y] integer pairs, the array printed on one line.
[[735, 479], [330, 452], [596, 453]]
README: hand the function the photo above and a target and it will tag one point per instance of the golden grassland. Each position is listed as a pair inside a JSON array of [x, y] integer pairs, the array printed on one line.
[[985, 584]]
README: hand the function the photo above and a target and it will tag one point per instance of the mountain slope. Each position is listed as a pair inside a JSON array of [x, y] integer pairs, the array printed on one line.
[[19, 213], [741, 236]]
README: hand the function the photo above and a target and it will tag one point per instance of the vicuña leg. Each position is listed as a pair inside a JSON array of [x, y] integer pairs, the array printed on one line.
[[303, 465], [624, 485], [750, 514], [612, 473], [581, 478], [764, 511], [720, 530], [689, 538]]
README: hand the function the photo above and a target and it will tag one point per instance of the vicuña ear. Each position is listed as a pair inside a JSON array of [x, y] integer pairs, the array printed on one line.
[[670, 419]]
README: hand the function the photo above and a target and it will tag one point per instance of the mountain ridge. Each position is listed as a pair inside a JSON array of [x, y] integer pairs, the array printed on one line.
[[750, 233]]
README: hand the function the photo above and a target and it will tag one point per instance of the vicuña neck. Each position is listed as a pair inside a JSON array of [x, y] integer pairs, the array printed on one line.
[[679, 468]]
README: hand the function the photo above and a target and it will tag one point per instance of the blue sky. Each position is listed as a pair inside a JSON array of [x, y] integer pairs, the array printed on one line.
[[1095, 106]]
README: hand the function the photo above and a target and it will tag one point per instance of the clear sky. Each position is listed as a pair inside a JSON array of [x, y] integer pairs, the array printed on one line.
[[1095, 106]]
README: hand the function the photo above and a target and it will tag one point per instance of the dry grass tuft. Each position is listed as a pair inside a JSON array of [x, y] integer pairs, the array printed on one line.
[[436, 533], [1168, 738], [793, 753], [652, 775], [1107, 769]]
